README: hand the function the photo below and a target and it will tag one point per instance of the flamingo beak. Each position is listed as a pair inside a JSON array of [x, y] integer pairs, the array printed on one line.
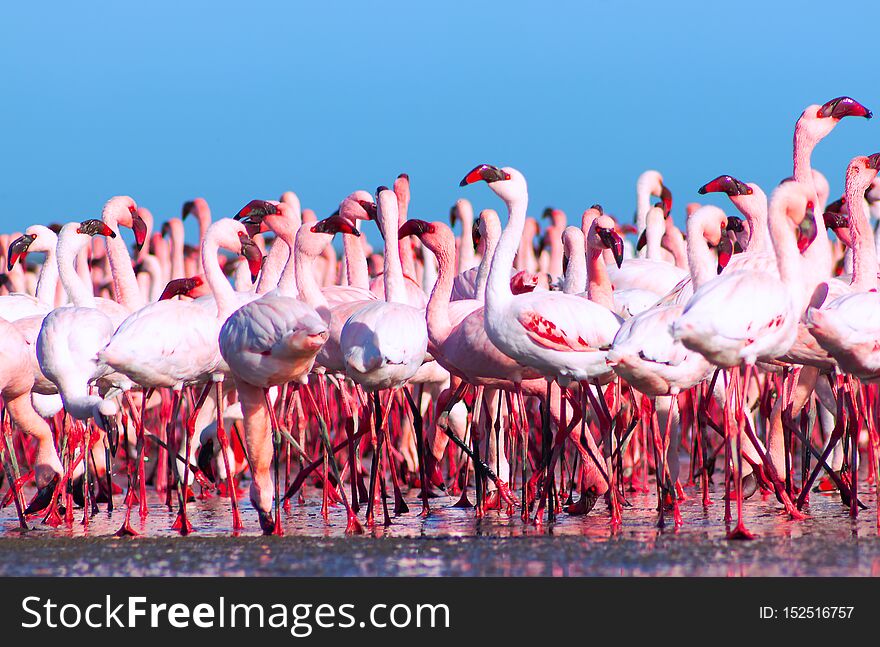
[[476, 236], [725, 253], [252, 255], [486, 173], [453, 215], [874, 161], [95, 227], [806, 231], [612, 240], [844, 107], [369, 207], [335, 224], [414, 228], [188, 207], [734, 223], [725, 184], [666, 199], [139, 227], [18, 250]]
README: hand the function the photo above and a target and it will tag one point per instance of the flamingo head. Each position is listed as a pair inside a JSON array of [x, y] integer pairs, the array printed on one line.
[[607, 237], [836, 219], [476, 235], [401, 190], [193, 207], [436, 236], [725, 184], [251, 253], [253, 215], [665, 199], [817, 121], [181, 287], [335, 224], [507, 183], [843, 107], [461, 210], [861, 171], [358, 206], [94, 227], [139, 227], [18, 249], [734, 224], [806, 228]]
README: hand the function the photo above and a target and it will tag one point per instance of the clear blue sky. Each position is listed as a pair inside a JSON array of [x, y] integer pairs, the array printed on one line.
[[166, 101]]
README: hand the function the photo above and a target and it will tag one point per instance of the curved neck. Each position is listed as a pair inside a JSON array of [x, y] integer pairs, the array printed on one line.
[[79, 292], [276, 263], [575, 279], [437, 313], [356, 272], [490, 243], [864, 253], [498, 289], [701, 259], [675, 245], [309, 290], [599, 288], [125, 285], [788, 260], [754, 209], [48, 278], [466, 244], [395, 288], [221, 288]]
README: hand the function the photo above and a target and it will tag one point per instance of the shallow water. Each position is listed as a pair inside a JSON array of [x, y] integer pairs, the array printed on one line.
[[452, 542]]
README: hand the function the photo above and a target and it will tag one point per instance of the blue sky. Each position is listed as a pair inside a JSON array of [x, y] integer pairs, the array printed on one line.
[[167, 102]]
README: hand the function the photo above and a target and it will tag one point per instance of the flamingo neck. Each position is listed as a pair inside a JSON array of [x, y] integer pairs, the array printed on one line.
[[47, 281], [395, 288], [437, 313], [79, 292], [276, 263], [788, 260], [575, 279], [489, 244], [755, 212], [407, 260], [864, 253], [675, 245], [125, 285], [599, 288], [356, 272], [178, 270], [818, 254], [701, 260], [224, 294], [498, 291], [309, 290], [466, 244]]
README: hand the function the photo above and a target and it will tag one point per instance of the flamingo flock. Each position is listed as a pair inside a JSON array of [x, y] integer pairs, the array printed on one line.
[[536, 373]]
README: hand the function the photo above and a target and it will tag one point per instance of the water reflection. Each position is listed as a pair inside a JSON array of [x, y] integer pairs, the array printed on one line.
[[453, 542]]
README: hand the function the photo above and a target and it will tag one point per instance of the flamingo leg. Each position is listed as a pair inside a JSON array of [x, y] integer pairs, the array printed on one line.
[[420, 448]]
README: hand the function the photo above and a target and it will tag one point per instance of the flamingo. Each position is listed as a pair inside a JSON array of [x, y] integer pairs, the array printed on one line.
[[384, 343], [16, 382], [560, 335], [268, 342], [173, 343]]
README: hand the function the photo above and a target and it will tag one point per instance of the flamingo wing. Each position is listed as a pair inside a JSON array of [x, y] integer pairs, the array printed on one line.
[[544, 332]]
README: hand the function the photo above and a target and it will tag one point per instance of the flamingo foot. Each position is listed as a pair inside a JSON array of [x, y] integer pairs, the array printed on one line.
[[740, 532], [266, 522], [492, 501], [585, 504], [44, 496], [126, 530], [400, 506], [354, 526], [182, 524], [463, 501]]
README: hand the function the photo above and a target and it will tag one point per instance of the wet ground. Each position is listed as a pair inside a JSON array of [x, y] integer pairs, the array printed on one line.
[[452, 542]]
